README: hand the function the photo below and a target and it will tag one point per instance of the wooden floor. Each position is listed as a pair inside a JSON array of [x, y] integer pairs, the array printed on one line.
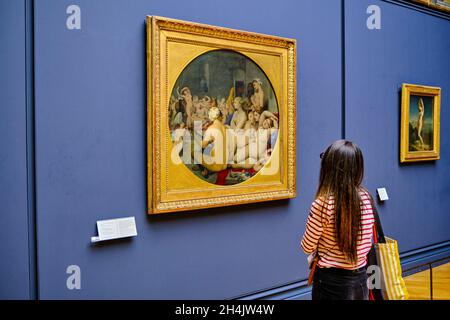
[[418, 284]]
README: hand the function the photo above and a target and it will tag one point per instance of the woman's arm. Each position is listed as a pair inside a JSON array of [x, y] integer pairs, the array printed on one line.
[[241, 121], [314, 227], [266, 114], [207, 139]]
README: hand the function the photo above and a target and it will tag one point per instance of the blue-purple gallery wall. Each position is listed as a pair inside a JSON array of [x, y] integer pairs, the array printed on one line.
[[410, 47], [90, 148], [90, 89], [14, 236]]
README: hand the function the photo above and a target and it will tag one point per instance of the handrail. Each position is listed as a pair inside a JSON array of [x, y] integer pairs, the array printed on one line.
[[430, 267]]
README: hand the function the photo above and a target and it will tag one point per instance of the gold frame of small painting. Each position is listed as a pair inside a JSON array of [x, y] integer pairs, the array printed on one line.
[[420, 123], [205, 82]]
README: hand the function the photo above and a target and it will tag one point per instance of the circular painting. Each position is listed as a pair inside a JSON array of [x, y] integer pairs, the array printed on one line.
[[223, 117]]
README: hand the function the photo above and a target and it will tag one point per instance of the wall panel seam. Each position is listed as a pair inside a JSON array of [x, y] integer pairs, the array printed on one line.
[[30, 148]]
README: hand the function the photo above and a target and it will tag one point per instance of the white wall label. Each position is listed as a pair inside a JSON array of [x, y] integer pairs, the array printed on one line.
[[382, 194], [374, 20], [115, 229], [73, 21]]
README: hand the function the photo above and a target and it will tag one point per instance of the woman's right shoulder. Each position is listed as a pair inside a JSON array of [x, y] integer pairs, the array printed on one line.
[[366, 198], [365, 194]]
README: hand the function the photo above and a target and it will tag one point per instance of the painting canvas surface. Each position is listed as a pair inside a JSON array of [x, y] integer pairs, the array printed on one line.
[[421, 124], [223, 117]]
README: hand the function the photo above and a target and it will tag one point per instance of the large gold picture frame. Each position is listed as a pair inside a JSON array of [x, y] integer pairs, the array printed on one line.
[[420, 123], [267, 68]]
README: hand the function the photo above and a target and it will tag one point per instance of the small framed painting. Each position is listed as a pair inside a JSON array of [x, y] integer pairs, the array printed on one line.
[[420, 123], [221, 116]]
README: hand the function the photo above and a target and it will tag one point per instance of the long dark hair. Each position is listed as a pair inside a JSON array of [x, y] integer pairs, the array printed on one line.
[[341, 175]]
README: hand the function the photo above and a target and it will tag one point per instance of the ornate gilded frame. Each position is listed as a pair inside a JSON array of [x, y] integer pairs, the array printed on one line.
[[413, 156], [171, 45]]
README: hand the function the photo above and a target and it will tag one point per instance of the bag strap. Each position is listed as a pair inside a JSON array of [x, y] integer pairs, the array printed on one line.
[[378, 229], [313, 270], [374, 232]]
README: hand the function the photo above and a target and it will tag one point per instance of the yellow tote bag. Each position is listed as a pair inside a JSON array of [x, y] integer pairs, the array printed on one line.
[[392, 284], [388, 260]]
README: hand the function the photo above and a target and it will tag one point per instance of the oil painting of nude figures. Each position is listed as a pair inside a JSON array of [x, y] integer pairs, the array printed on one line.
[[223, 117], [420, 123]]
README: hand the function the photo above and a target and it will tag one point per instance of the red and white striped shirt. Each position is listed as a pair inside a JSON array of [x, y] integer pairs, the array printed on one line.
[[320, 234]]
